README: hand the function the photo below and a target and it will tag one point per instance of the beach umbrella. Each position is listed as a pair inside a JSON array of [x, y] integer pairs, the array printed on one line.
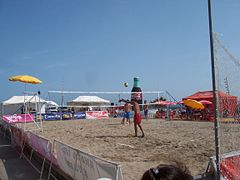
[[193, 104], [205, 102], [25, 79], [180, 102]]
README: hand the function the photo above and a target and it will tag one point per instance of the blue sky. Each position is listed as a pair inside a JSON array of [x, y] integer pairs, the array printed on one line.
[[97, 45]]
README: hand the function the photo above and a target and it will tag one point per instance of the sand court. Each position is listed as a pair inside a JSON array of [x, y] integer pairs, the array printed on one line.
[[186, 141]]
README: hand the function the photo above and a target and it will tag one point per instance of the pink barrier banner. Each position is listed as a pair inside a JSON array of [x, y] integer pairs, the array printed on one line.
[[96, 114], [18, 118], [40, 145], [230, 168], [16, 138], [81, 165]]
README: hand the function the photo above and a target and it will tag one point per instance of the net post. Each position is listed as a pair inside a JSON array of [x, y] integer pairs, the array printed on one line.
[[216, 124]]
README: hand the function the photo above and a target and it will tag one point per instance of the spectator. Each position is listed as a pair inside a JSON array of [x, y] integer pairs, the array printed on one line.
[[145, 109], [168, 172], [73, 112], [158, 114]]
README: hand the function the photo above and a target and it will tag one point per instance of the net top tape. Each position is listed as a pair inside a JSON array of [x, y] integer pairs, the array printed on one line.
[[102, 92]]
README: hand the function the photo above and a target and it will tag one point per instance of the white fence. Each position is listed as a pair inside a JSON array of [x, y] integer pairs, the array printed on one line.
[[77, 164], [81, 165]]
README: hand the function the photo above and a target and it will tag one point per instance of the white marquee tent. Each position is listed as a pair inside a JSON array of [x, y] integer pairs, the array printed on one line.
[[88, 101], [15, 104]]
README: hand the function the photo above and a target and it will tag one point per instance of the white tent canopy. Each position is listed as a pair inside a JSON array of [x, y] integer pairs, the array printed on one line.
[[23, 99], [15, 104], [51, 103], [88, 101]]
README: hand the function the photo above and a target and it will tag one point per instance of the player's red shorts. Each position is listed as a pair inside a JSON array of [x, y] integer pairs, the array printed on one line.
[[137, 118]]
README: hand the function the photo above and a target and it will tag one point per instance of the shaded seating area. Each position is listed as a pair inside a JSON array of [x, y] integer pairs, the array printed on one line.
[[227, 106]]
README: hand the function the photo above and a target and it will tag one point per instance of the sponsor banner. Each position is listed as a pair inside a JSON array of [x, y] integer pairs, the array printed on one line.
[[136, 96], [66, 115], [66, 158], [80, 165], [53, 116], [18, 118], [41, 145], [79, 115], [16, 138], [230, 167], [96, 114]]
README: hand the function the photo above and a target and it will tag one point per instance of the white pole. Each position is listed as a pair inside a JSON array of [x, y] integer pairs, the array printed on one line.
[[24, 105]]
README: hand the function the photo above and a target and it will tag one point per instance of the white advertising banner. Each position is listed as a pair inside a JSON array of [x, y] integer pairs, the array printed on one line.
[[41, 145], [96, 115], [16, 118], [82, 166]]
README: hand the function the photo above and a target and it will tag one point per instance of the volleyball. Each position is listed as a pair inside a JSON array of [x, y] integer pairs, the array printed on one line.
[[126, 84]]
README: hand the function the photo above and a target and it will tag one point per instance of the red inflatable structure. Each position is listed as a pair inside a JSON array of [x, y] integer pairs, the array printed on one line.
[[229, 166], [227, 103]]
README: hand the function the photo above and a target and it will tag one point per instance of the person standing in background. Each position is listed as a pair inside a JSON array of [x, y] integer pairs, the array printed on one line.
[[127, 108], [145, 109]]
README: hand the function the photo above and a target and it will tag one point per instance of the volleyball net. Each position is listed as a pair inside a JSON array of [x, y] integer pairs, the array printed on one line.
[[80, 101], [227, 68]]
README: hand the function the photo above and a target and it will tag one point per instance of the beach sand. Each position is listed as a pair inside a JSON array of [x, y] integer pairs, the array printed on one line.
[[189, 142]]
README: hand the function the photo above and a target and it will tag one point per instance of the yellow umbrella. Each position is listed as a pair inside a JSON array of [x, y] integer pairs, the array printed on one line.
[[25, 79], [193, 104]]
